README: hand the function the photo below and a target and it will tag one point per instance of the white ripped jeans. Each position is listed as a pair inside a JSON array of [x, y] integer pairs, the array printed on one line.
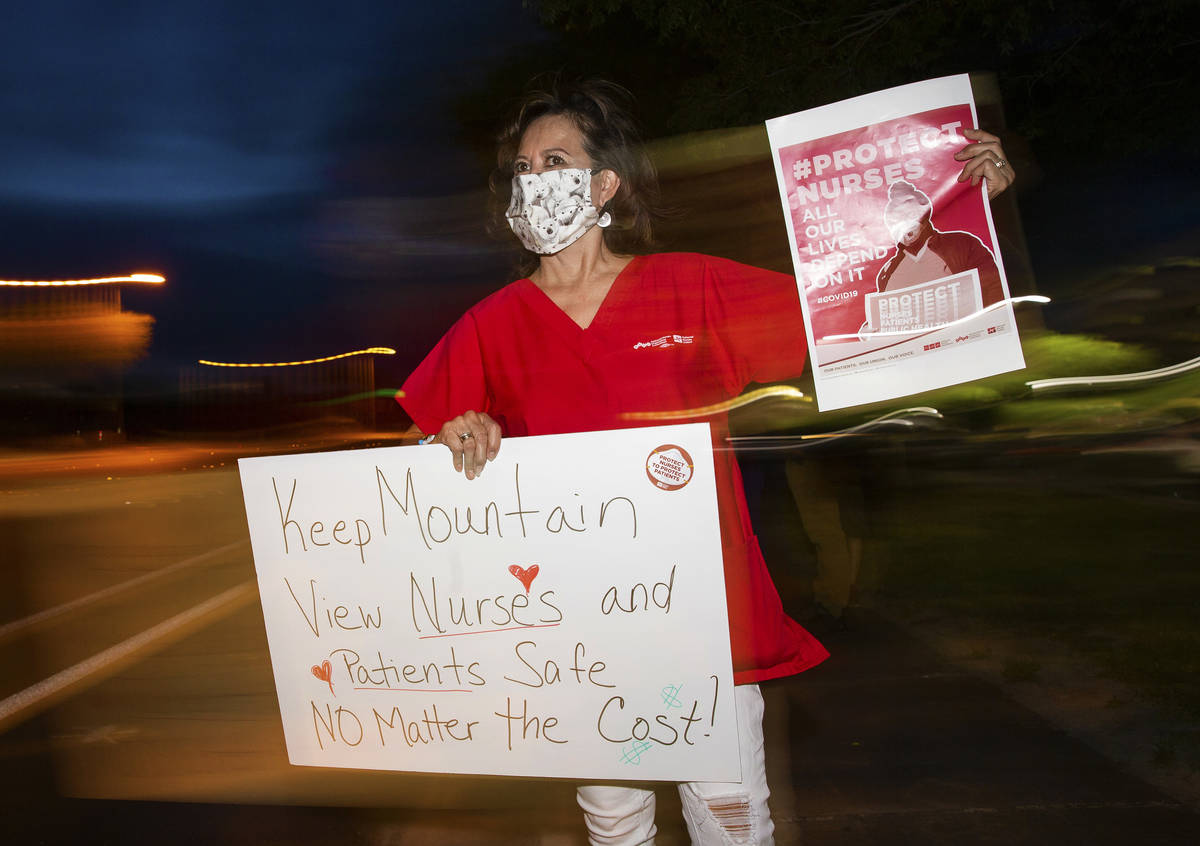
[[717, 813]]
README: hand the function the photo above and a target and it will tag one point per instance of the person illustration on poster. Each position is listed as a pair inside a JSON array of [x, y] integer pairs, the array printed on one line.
[[925, 253]]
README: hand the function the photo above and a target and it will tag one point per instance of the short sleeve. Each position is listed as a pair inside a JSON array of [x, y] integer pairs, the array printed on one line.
[[756, 315], [449, 381], [989, 274]]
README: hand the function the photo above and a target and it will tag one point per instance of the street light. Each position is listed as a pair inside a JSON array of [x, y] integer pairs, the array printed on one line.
[[144, 278]]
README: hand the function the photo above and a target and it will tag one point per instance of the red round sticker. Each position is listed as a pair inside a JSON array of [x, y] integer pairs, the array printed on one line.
[[669, 467]]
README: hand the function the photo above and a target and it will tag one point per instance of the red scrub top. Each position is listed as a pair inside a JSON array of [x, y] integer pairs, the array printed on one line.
[[676, 331]]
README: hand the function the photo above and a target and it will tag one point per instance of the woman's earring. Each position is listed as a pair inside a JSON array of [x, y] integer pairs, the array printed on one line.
[[605, 220]]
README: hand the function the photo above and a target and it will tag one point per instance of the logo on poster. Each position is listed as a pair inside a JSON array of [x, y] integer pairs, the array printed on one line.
[[669, 467]]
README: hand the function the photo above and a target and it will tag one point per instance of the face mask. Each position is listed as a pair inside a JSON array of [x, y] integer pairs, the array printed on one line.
[[553, 209], [905, 231]]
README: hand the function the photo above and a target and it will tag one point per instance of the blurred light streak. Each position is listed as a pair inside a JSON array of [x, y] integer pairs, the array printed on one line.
[[855, 336], [146, 278], [1117, 378], [901, 418], [38, 697], [9, 630], [785, 391], [367, 351], [378, 392]]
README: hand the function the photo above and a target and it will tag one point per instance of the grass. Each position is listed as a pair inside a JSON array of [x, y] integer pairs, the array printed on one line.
[[1004, 403]]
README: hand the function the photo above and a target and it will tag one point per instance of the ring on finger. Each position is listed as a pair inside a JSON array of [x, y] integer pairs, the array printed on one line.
[[465, 436], [999, 163]]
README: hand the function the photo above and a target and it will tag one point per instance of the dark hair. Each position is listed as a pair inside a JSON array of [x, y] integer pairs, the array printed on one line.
[[600, 111]]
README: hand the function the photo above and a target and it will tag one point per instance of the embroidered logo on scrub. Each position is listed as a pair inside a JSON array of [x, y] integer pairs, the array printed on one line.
[[669, 467], [665, 341]]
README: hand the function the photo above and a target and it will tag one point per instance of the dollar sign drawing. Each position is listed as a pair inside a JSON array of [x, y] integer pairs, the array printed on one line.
[[634, 751], [670, 696]]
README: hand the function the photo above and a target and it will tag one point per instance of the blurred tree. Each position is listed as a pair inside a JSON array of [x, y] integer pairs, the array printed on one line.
[[618, 49], [1094, 78]]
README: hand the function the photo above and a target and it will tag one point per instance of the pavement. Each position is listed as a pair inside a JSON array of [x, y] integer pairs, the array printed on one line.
[[73, 460], [885, 743]]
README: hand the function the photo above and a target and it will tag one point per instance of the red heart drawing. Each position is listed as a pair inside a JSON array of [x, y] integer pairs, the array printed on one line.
[[325, 673], [524, 576]]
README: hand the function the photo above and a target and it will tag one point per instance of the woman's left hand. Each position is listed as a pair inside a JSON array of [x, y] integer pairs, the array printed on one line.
[[985, 159]]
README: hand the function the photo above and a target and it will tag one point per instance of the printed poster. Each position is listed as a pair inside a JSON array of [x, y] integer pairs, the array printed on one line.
[[561, 615], [900, 277]]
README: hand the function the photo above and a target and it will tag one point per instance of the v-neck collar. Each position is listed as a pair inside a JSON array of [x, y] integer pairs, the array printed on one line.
[[549, 310]]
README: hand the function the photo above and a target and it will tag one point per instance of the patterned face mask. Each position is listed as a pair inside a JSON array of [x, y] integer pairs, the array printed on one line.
[[553, 209]]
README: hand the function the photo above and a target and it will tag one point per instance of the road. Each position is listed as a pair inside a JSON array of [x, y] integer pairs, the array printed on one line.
[[137, 684]]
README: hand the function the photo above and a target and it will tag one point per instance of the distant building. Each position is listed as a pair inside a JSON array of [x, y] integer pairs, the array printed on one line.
[[64, 350], [224, 396]]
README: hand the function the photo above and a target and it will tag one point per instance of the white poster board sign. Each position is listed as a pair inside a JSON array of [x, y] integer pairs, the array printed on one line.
[[561, 615], [900, 277]]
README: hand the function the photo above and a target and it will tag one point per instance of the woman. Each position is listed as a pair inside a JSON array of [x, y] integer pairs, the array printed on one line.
[[579, 344], [909, 217]]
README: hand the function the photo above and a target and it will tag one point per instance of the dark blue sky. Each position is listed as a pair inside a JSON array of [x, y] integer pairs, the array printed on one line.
[[172, 104], [297, 170], [219, 142]]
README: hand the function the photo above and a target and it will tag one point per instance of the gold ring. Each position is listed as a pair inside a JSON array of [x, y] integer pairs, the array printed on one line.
[[465, 436], [1000, 163]]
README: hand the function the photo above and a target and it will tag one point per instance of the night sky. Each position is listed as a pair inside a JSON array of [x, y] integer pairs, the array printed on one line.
[[302, 174], [232, 146]]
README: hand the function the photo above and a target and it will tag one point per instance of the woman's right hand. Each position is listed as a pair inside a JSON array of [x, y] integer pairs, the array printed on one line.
[[474, 439]]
